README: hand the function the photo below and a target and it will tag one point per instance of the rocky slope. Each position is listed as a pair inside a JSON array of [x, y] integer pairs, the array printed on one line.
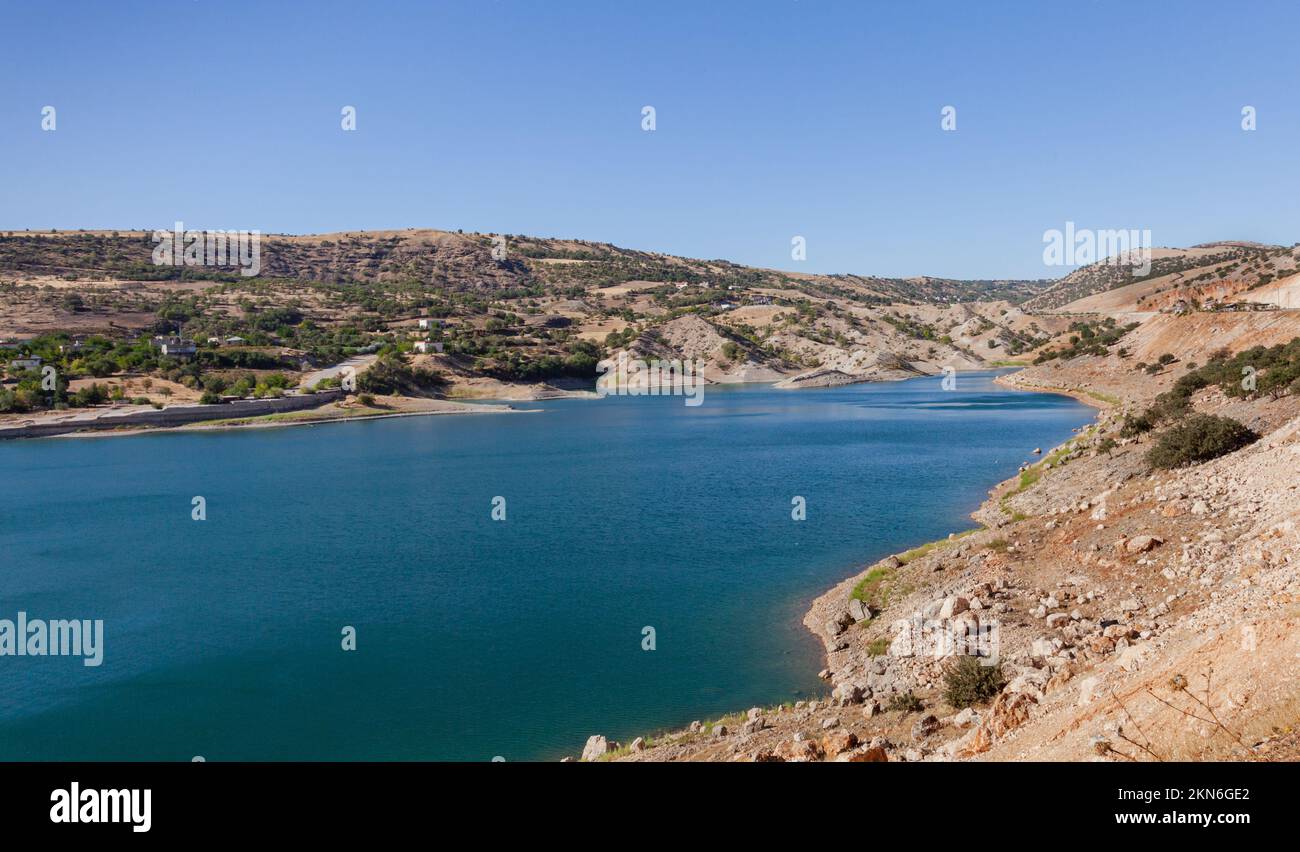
[[1137, 614]]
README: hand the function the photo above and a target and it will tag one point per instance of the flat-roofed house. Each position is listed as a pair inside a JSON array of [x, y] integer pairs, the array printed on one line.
[[32, 362], [175, 347]]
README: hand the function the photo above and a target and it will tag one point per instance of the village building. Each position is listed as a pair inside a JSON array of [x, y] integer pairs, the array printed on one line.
[[175, 347], [32, 362]]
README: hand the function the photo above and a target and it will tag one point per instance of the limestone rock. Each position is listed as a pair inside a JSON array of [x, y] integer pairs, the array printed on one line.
[[1143, 543], [839, 742], [865, 754], [953, 605], [925, 726], [596, 747]]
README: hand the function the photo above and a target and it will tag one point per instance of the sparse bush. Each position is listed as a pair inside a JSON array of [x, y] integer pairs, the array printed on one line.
[[1136, 424], [904, 702], [1199, 438], [968, 681]]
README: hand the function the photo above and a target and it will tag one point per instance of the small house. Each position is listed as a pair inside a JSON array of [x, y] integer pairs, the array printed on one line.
[[32, 362], [175, 347]]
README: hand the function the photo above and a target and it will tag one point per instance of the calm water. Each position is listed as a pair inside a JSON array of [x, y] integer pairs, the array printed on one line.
[[475, 637]]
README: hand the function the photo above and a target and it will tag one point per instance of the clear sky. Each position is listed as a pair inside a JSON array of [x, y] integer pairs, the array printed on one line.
[[774, 118]]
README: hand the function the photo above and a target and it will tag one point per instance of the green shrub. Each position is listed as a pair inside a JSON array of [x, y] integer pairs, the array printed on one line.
[[968, 681], [904, 702], [1136, 424], [1199, 438], [209, 398], [878, 647]]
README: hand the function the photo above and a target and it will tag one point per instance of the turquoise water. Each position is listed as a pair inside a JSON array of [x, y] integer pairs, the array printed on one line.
[[475, 638]]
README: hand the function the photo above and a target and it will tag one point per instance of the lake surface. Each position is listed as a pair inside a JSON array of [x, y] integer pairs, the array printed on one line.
[[475, 638]]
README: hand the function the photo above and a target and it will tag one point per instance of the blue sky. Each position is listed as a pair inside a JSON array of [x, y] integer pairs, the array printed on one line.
[[774, 119]]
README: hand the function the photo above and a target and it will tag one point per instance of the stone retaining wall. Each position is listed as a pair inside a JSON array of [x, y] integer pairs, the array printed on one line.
[[179, 415]]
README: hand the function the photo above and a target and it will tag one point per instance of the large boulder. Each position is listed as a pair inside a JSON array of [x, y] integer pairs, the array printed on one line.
[[859, 611], [799, 751], [1143, 543], [865, 754], [837, 743], [849, 693], [1010, 710], [838, 624], [953, 605], [1130, 659], [925, 726], [597, 746], [977, 741]]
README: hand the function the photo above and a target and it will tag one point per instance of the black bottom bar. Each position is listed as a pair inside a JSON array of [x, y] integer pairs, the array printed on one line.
[[331, 800]]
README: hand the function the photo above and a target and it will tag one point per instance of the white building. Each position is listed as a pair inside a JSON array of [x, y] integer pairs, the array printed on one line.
[[176, 347]]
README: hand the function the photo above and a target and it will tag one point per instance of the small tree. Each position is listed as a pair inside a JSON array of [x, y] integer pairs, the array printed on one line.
[[1199, 438]]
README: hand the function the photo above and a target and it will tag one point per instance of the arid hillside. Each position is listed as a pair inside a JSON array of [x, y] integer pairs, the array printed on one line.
[[1133, 596], [473, 315], [1202, 277]]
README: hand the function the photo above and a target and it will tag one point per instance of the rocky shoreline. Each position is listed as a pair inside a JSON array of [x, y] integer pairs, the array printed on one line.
[[1119, 601]]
